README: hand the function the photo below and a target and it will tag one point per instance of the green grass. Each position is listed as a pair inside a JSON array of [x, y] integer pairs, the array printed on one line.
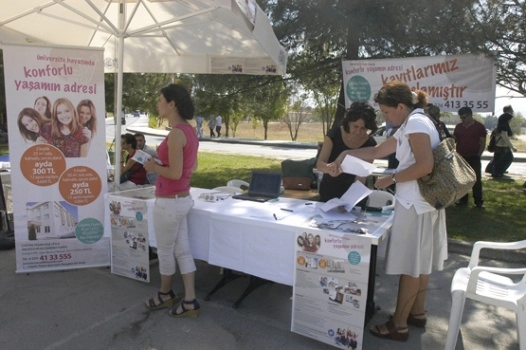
[[502, 220], [215, 170]]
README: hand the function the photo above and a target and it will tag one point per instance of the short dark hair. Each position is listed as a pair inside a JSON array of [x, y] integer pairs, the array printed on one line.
[[139, 134], [433, 111], [464, 111], [508, 109], [130, 140], [180, 95], [357, 111]]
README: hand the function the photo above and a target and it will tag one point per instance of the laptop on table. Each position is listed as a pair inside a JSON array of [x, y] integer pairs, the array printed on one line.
[[263, 187]]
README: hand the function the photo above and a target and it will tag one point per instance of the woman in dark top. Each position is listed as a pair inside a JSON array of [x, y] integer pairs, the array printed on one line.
[[353, 132], [504, 148]]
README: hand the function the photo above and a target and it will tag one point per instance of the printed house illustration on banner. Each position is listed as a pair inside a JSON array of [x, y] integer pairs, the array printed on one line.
[[49, 220]]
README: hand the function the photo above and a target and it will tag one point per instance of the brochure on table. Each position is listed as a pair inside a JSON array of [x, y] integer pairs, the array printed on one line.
[[128, 218], [330, 286]]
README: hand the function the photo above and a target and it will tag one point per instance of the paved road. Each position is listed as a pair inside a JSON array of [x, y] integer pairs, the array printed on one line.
[[269, 151]]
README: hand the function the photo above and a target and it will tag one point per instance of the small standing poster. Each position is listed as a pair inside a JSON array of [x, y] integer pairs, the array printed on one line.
[[330, 287], [129, 238]]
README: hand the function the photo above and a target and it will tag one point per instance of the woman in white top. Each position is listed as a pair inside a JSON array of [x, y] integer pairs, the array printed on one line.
[[418, 242]]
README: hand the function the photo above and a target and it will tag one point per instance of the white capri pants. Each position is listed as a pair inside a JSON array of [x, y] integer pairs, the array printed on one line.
[[171, 233]]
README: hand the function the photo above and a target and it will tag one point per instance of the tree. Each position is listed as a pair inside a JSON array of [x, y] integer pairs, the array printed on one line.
[[502, 23], [326, 101], [235, 119], [269, 101], [319, 34], [296, 115], [225, 95]]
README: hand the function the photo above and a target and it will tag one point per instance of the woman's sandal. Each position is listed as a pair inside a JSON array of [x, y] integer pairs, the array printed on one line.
[[186, 312], [152, 305], [417, 320], [390, 331]]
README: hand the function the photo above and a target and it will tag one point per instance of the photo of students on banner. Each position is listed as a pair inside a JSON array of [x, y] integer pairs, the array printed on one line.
[[68, 128]]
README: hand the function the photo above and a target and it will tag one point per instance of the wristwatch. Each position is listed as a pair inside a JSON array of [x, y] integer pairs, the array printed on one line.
[[393, 177]]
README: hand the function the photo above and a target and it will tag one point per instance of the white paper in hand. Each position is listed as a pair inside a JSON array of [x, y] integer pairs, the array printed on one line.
[[350, 198], [141, 157], [355, 193], [356, 166]]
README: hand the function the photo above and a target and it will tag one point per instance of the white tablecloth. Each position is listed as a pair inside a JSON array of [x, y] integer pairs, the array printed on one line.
[[254, 238]]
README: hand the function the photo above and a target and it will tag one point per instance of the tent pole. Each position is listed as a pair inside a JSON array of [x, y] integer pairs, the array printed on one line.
[[118, 124]]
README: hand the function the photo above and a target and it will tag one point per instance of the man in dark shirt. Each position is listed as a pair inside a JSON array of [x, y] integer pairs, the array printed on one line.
[[470, 137]]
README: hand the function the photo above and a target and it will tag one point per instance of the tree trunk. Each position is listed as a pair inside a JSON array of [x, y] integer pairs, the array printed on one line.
[[353, 45]]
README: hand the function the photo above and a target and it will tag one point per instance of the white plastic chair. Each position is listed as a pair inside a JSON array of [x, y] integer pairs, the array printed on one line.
[[228, 189], [488, 285], [381, 199], [238, 183]]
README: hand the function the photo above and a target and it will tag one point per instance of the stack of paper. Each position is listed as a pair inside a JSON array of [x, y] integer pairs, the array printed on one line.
[[332, 209]]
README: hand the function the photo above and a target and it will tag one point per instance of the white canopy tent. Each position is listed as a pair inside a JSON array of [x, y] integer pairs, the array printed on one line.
[[152, 36]]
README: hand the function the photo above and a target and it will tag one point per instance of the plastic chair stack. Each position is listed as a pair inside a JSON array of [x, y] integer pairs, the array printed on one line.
[[488, 285]]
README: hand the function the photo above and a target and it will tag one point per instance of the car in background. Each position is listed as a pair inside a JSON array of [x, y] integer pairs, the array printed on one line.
[[136, 114]]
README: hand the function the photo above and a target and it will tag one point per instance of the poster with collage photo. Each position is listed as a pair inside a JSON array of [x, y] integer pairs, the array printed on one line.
[[129, 242], [330, 287]]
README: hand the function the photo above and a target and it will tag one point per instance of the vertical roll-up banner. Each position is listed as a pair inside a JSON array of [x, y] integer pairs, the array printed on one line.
[[57, 154]]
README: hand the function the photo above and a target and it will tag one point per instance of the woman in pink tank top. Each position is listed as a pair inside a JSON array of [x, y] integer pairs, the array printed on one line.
[[178, 154]]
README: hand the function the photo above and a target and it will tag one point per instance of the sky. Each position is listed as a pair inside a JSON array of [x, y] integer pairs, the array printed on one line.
[[518, 104]]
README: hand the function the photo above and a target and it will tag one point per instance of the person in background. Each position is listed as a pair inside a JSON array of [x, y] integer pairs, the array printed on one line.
[[353, 132], [30, 121], [212, 125], [151, 178], [178, 154], [504, 149], [199, 126], [219, 124], [43, 106], [132, 173], [65, 131], [470, 136], [141, 144], [418, 240], [434, 112]]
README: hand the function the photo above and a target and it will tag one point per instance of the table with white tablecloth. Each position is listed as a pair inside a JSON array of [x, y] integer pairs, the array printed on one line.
[[250, 237]]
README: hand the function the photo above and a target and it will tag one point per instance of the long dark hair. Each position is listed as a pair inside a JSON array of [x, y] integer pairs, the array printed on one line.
[[182, 99]]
